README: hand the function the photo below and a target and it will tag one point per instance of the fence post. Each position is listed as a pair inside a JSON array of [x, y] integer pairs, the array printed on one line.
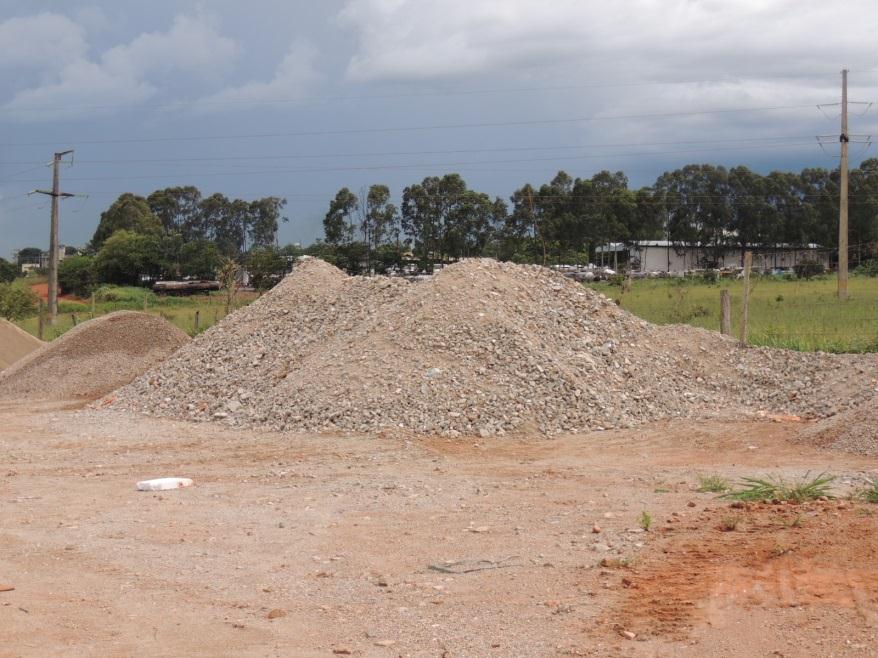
[[73, 315], [197, 320], [92, 306], [40, 320], [745, 316], [725, 321]]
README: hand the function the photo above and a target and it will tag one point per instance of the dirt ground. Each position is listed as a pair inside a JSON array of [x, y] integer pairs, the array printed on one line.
[[303, 545]]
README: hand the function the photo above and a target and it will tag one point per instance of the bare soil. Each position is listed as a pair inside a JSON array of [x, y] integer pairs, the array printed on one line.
[[307, 545]]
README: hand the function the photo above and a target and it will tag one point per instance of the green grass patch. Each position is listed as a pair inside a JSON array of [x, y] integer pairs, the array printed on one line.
[[180, 311], [756, 489], [870, 493], [712, 484], [784, 312]]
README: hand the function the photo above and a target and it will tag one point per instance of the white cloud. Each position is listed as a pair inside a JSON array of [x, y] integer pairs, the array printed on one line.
[[123, 75], [422, 39], [40, 41], [294, 76], [192, 45]]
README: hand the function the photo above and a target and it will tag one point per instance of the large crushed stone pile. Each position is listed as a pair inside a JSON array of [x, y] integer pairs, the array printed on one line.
[[15, 344], [481, 348], [93, 358]]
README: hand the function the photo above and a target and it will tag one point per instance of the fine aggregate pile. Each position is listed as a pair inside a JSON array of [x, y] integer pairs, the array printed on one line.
[[93, 358], [481, 348], [15, 344]]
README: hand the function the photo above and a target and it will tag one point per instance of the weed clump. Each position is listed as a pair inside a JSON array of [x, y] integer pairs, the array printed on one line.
[[712, 484], [756, 489], [870, 493]]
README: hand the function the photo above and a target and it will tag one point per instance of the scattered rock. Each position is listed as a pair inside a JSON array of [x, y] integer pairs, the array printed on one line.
[[276, 613]]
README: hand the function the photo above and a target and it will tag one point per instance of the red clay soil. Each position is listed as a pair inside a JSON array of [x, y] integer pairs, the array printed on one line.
[[42, 291], [820, 555]]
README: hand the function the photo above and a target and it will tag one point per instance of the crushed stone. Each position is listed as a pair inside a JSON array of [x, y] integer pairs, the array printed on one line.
[[482, 348]]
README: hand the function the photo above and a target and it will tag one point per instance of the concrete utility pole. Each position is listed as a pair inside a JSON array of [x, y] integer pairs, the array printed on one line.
[[56, 194], [844, 139]]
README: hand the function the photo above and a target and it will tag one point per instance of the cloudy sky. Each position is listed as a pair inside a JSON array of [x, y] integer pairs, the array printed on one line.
[[297, 99]]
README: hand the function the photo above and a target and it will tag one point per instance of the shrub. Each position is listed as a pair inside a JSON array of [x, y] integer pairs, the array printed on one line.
[[17, 302], [122, 295], [808, 269], [868, 268]]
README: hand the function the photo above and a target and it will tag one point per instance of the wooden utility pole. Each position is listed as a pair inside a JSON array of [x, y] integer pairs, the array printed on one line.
[[725, 303], [56, 194], [844, 139], [745, 315]]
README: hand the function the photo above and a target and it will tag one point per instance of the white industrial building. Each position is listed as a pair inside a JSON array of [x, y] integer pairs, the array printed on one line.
[[665, 256]]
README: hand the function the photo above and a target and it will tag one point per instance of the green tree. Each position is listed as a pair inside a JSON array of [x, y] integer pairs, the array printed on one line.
[[129, 213], [265, 217], [428, 212], [126, 256], [266, 267], [227, 223], [179, 210], [76, 275], [200, 259], [8, 271], [338, 227], [29, 255]]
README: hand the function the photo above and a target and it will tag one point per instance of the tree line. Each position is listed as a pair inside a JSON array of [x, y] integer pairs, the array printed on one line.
[[563, 220], [172, 233], [177, 232]]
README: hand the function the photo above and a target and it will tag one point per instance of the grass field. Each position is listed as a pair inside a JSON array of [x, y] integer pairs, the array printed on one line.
[[180, 311], [791, 313]]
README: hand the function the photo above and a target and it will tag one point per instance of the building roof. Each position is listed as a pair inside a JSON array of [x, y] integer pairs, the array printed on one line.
[[625, 246]]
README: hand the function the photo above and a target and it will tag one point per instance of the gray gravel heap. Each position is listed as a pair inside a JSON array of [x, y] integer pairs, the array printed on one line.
[[482, 348]]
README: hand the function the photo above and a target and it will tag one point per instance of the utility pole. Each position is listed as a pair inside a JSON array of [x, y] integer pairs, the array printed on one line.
[[844, 139], [56, 194]]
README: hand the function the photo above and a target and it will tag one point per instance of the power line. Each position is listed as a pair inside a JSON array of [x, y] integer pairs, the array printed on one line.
[[404, 166], [396, 129], [302, 156], [421, 94]]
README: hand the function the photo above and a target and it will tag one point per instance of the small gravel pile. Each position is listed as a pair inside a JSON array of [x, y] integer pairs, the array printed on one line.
[[854, 430], [93, 358], [482, 348], [15, 344]]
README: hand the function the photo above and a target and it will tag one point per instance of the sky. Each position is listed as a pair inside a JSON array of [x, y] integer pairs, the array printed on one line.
[[297, 99]]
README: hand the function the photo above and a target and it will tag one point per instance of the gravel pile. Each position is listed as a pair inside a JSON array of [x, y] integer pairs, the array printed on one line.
[[854, 430], [482, 348], [15, 343], [93, 358]]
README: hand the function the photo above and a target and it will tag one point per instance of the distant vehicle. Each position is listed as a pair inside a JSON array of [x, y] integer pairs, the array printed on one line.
[[184, 287]]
